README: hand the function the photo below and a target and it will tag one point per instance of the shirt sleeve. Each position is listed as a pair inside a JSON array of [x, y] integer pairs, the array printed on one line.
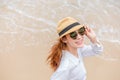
[[91, 50]]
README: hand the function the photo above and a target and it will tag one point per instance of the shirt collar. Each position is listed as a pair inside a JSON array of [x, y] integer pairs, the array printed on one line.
[[71, 57]]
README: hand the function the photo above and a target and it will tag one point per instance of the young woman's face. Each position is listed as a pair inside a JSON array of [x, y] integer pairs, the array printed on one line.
[[75, 43]]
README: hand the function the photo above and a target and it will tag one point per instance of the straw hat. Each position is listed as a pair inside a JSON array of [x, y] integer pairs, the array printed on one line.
[[67, 25]]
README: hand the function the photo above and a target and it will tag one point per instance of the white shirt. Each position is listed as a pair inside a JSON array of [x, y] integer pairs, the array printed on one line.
[[71, 67]]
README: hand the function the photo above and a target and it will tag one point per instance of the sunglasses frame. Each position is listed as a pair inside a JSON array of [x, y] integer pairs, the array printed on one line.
[[80, 31]]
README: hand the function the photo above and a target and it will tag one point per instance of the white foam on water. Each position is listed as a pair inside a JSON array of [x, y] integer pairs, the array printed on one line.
[[12, 22], [49, 22]]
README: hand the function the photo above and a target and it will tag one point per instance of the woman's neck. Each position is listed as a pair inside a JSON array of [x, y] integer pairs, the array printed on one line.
[[73, 51]]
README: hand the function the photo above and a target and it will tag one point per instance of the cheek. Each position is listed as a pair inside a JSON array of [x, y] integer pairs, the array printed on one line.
[[71, 42], [75, 43]]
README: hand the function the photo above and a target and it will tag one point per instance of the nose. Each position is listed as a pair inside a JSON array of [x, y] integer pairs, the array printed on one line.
[[79, 36]]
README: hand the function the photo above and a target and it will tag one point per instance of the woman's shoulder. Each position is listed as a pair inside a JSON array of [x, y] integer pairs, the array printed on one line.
[[65, 63]]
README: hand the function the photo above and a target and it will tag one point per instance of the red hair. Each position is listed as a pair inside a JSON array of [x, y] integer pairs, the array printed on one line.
[[55, 54]]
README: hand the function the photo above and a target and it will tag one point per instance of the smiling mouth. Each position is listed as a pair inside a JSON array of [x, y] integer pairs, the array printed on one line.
[[79, 42]]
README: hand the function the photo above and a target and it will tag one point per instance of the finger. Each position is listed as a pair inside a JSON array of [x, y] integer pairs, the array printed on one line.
[[87, 28]]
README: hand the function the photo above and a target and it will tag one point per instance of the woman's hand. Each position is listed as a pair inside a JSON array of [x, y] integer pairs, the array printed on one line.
[[90, 34]]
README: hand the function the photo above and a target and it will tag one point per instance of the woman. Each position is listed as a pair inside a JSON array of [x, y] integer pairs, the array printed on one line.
[[66, 56]]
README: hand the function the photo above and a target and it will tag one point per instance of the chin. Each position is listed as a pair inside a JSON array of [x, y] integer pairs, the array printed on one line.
[[79, 46]]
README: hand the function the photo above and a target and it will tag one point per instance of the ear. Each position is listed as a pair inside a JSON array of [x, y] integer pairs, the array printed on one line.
[[64, 39]]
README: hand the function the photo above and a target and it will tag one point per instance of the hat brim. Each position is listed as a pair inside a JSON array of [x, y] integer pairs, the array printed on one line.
[[72, 30]]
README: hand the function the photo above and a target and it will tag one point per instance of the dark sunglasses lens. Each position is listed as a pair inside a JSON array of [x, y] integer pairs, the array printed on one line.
[[73, 35], [81, 31]]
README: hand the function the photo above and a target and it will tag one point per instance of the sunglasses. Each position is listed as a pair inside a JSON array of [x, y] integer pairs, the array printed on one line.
[[74, 34]]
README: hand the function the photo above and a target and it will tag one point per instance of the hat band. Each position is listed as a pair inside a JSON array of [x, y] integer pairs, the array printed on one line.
[[68, 28]]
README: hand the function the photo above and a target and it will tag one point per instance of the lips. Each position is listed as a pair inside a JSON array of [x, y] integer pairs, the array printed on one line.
[[79, 42]]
